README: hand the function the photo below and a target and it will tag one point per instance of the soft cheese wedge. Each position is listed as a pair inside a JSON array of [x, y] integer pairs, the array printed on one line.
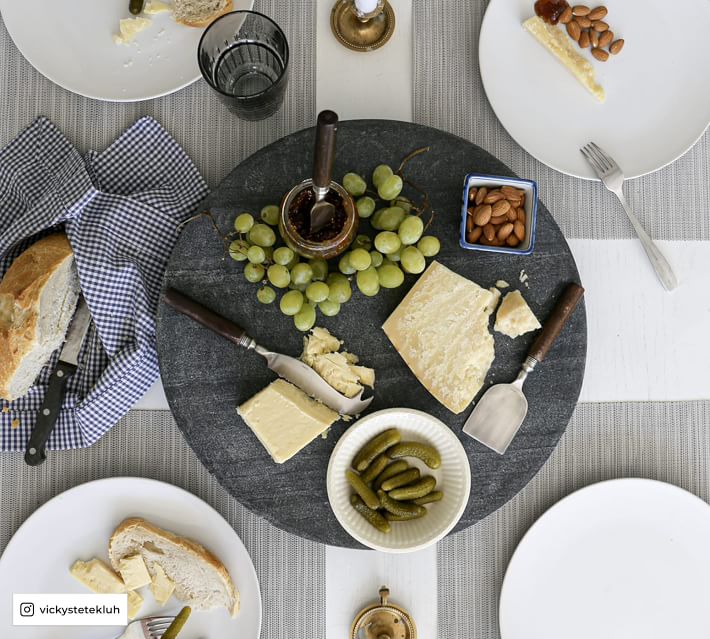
[[514, 317], [285, 419], [441, 331], [560, 45]]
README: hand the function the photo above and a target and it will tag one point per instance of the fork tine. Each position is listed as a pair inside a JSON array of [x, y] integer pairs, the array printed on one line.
[[603, 157], [586, 152]]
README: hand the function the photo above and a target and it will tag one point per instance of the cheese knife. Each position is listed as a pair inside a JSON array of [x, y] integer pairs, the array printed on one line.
[[35, 452], [290, 368], [498, 415]]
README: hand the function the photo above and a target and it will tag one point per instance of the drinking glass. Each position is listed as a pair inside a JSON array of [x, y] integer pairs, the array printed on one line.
[[244, 55]]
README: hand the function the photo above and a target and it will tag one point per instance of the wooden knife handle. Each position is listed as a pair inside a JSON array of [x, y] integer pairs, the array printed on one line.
[[324, 155], [556, 321], [187, 306]]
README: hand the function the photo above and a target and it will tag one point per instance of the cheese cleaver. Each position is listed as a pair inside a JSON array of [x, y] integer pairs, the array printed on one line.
[[290, 368], [498, 415]]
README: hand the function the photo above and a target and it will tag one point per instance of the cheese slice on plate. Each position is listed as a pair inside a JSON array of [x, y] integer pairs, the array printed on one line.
[[133, 572], [162, 586], [99, 578], [514, 317], [441, 331], [285, 419]]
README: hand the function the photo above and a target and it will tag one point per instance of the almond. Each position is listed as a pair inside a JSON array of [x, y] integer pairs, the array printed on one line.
[[474, 235], [519, 230], [482, 214], [600, 54], [521, 215], [492, 242], [522, 199], [511, 190], [617, 46], [597, 13], [489, 232], [472, 194], [500, 219], [600, 25], [512, 215], [566, 15], [514, 203], [501, 208], [581, 10], [605, 38], [470, 224], [504, 231], [594, 38], [584, 40], [512, 240], [493, 197], [584, 22], [482, 192], [574, 31]]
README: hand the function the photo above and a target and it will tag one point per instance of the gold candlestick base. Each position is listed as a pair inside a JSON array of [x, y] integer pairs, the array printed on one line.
[[361, 34]]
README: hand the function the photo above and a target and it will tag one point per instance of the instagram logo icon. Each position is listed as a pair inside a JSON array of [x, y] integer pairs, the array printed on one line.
[[27, 609]]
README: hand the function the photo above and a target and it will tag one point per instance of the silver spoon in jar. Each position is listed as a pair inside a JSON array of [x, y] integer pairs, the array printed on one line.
[[323, 159]]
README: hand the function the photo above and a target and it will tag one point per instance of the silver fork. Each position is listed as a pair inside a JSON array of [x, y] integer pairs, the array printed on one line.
[[612, 177], [146, 628]]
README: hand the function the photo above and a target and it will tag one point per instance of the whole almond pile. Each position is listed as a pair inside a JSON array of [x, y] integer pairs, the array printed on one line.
[[587, 27], [496, 217]]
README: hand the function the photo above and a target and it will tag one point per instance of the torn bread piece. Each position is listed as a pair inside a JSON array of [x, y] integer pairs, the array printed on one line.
[[514, 317]]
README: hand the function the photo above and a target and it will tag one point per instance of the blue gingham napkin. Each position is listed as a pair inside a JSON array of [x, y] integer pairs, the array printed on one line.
[[120, 210]]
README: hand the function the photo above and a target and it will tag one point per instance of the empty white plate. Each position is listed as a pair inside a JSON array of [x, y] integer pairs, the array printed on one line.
[[623, 559], [71, 43], [658, 96]]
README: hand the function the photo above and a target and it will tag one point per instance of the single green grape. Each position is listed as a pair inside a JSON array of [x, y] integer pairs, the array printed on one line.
[[387, 242], [368, 282], [375, 221], [262, 235], [362, 241], [429, 246], [279, 275], [344, 265], [270, 214], [301, 273], [320, 268], [328, 308], [412, 260], [293, 261], [354, 184], [238, 250], [391, 218], [283, 255], [376, 258], [291, 302], [298, 287], [243, 222], [395, 257], [390, 275], [411, 229], [365, 206], [359, 259], [340, 289], [390, 188], [256, 254], [266, 295], [254, 272], [305, 319], [403, 203], [269, 252], [317, 291], [380, 174]]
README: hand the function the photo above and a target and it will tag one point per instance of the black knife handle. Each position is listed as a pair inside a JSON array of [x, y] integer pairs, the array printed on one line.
[[35, 452]]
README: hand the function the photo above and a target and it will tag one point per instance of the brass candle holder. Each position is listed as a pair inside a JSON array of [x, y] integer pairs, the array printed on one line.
[[383, 620], [362, 31]]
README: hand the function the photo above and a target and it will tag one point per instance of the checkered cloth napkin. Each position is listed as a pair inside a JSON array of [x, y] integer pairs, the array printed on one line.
[[120, 210]]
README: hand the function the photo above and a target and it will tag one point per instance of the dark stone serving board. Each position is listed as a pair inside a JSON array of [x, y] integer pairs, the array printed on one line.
[[206, 377]]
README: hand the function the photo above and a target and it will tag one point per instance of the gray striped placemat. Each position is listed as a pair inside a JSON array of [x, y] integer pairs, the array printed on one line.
[[658, 440], [291, 570], [673, 203]]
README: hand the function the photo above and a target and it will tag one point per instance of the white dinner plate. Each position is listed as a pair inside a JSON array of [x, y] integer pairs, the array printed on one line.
[[71, 43], [77, 525], [658, 96], [622, 559], [453, 477]]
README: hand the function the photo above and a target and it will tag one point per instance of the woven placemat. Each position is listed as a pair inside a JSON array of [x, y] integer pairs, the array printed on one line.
[[673, 203], [291, 570], [666, 441]]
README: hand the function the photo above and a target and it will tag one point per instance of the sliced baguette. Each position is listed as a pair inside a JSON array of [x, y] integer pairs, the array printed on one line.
[[200, 13], [38, 297], [201, 580]]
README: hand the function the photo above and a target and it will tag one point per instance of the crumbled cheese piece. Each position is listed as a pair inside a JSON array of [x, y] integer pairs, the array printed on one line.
[[502, 284], [154, 7], [514, 317], [523, 277], [129, 28]]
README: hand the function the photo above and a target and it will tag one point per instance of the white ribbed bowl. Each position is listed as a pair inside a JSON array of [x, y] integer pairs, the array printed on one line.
[[453, 477]]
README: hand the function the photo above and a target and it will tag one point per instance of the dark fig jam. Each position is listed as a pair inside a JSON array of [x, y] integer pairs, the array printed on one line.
[[550, 10], [299, 216]]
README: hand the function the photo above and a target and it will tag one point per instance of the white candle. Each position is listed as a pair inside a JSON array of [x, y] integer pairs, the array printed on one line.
[[366, 6]]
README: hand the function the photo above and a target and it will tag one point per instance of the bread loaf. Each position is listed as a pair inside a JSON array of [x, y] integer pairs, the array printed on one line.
[[38, 297], [200, 13]]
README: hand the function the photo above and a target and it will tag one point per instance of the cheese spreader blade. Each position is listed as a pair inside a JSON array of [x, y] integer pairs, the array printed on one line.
[[290, 368], [498, 415]]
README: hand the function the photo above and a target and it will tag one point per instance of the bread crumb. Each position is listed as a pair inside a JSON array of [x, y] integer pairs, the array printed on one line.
[[5, 409], [15, 423]]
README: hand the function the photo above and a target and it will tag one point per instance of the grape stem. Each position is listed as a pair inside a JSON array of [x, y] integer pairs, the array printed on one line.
[[425, 203]]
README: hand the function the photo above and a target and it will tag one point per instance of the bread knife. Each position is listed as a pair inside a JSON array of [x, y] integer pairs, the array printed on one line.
[[35, 452]]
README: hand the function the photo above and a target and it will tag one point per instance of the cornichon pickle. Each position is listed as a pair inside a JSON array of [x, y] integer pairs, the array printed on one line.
[[407, 477], [362, 489], [393, 469], [428, 454], [372, 516], [414, 491], [392, 517], [375, 468], [398, 507], [374, 447], [178, 623], [135, 6], [434, 495]]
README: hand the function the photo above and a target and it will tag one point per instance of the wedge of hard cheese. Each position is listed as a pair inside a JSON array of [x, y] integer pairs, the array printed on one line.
[[514, 317], [441, 330]]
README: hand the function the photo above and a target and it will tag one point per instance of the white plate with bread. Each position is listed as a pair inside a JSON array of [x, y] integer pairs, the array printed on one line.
[[72, 43], [111, 532]]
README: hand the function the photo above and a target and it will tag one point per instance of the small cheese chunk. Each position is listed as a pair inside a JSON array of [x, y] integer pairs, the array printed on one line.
[[133, 572], [319, 342], [162, 586], [128, 29], [502, 284], [441, 331], [135, 603], [514, 317], [285, 419], [97, 577], [153, 7]]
